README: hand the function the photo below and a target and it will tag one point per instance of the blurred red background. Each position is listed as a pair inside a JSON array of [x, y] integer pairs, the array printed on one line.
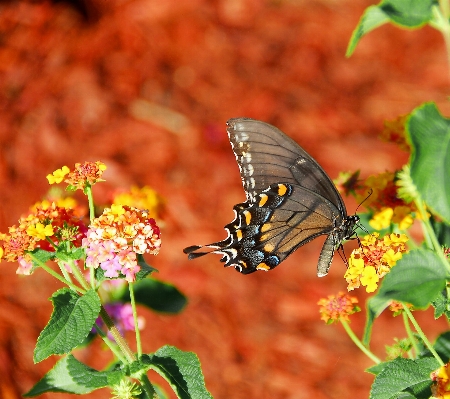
[[146, 87]]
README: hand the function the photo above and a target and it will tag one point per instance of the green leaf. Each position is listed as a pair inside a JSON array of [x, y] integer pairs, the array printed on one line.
[[440, 305], [181, 370], [39, 256], [406, 13], [375, 370], [71, 376], [442, 346], [157, 295], [146, 269], [400, 375], [71, 321], [372, 18], [66, 255], [429, 134], [417, 278]]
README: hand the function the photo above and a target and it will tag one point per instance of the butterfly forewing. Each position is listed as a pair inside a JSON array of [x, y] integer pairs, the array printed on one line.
[[265, 156]]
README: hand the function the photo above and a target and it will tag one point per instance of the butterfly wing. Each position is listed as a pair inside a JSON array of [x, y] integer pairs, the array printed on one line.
[[265, 155], [290, 201]]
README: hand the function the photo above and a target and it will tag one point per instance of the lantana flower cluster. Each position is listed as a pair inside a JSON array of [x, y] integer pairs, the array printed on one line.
[[114, 239], [337, 307], [441, 387], [86, 174], [374, 259], [45, 227], [380, 194]]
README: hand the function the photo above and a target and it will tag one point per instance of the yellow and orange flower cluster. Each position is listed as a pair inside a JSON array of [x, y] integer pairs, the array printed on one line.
[[441, 387], [394, 132], [82, 176], [374, 259], [337, 307], [45, 226]]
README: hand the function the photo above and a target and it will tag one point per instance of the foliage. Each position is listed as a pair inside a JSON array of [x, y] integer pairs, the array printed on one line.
[[416, 278], [102, 266]]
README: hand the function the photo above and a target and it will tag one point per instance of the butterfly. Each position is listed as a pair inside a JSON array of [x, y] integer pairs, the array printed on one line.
[[290, 201]]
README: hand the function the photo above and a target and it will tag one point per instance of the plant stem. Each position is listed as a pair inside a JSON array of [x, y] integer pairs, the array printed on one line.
[[56, 275], [410, 334], [358, 343], [88, 192], [421, 334], [130, 357], [135, 318], [111, 345]]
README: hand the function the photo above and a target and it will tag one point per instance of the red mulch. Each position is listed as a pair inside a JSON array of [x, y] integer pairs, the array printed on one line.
[[146, 86]]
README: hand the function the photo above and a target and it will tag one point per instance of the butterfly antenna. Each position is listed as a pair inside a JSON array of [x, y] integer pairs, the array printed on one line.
[[364, 200]]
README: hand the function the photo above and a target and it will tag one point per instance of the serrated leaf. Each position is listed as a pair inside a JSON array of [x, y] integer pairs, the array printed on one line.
[[181, 370], [440, 305], [67, 255], [377, 368], [402, 374], [406, 13], [42, 256], [71, 321], [429, 134], [417, 278], [71, 376], [157, 295]]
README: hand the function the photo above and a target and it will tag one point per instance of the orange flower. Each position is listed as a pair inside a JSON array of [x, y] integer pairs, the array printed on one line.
[[85, 175], [337, 307]]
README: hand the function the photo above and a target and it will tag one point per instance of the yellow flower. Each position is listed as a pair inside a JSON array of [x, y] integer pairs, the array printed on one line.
[[370, 279], [355, 267], [58, 175], [402, 216], [370, 239], [395, 239], [117, 211], [381, 220], [391, 257], [142, 198], [40, 231], [1, 252]]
